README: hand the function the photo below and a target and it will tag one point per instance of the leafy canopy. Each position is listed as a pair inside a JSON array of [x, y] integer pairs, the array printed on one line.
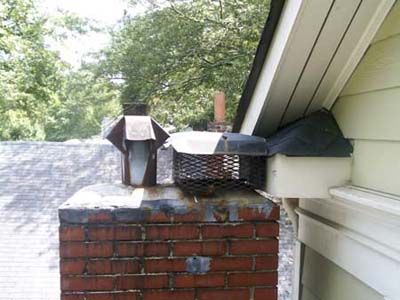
[[178, 53], [41, 97], [174, 56]]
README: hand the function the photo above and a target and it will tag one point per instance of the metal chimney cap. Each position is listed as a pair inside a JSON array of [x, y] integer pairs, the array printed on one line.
[[136, 128], [208, 143]]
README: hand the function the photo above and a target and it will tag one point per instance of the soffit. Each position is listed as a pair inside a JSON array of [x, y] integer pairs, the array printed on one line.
[[326, 41]]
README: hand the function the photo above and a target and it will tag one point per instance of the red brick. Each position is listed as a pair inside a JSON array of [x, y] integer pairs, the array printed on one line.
[[142, 249], [199, 248], [104, 233], [128, 233], [194, 281], [125, 266], [72, 233], [266, 294], [127, 296], [99, 266], [178, 232], [72, 297], [98, 296], [72, 266], [100, 217], [267, 262], [142, 282], [226, 231], [228, 294], [231, 263], [159, 217], [191, 217], [256, 214], [164, 265], [100, 249], [253, 279], [112, 296], [87, 283], [254, 246], [267, 229], [169, 295], [102, 296], [73, 249]]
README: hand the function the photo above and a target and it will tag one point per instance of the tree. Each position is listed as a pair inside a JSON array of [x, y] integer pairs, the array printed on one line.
[[177, 54], [29, 74], [41, 97], [85, 101]]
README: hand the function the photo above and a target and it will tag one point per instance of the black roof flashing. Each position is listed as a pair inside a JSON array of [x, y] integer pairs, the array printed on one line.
[[315, 135]]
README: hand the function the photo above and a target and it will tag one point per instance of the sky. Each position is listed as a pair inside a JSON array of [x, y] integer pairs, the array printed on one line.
[[105, 12]]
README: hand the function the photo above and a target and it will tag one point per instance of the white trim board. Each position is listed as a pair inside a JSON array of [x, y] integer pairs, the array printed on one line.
[[288, 17], [305, 177], [369, 199]]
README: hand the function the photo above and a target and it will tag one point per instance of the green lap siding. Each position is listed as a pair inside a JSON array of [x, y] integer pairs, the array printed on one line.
[[323, 280], [368, 110]]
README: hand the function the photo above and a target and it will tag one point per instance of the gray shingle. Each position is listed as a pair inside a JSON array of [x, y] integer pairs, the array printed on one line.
[[36, 178]]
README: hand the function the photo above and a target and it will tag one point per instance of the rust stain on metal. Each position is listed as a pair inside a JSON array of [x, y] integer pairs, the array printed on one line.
[[138, 138]]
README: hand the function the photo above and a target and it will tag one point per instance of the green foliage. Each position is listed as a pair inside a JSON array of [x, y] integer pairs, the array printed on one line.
[[40, 96], [176, 55], [85, 101], [29, 74]]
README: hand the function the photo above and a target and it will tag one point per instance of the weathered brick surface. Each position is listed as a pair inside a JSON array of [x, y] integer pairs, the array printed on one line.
[[165, 265], [176, 232], [214, 248], [228, 231], [216, 251], [142, 281], [253, 279], [267, 230], [232, 263], [225, 294], [169, 295], [254, 247], [265, 294], [72, 233], [196, 281]]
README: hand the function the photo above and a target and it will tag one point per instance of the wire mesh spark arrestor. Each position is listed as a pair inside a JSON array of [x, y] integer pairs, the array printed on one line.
[[207, 162]]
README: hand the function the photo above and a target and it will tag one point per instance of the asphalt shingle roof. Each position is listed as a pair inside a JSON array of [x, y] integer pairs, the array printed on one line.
[[36, 178]]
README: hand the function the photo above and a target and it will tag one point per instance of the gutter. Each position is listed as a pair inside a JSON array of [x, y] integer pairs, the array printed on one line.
[[258, 62]]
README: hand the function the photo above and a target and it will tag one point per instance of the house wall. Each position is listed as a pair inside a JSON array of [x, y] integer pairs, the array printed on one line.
[[324, 284], [368, 110], [352, 241]]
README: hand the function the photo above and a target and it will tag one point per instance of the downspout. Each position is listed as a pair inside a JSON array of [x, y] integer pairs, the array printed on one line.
[[290, 205]]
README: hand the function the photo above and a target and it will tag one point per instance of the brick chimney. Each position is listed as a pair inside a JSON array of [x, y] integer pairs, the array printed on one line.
[[157, 243], [219, 107], [219, 124]]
